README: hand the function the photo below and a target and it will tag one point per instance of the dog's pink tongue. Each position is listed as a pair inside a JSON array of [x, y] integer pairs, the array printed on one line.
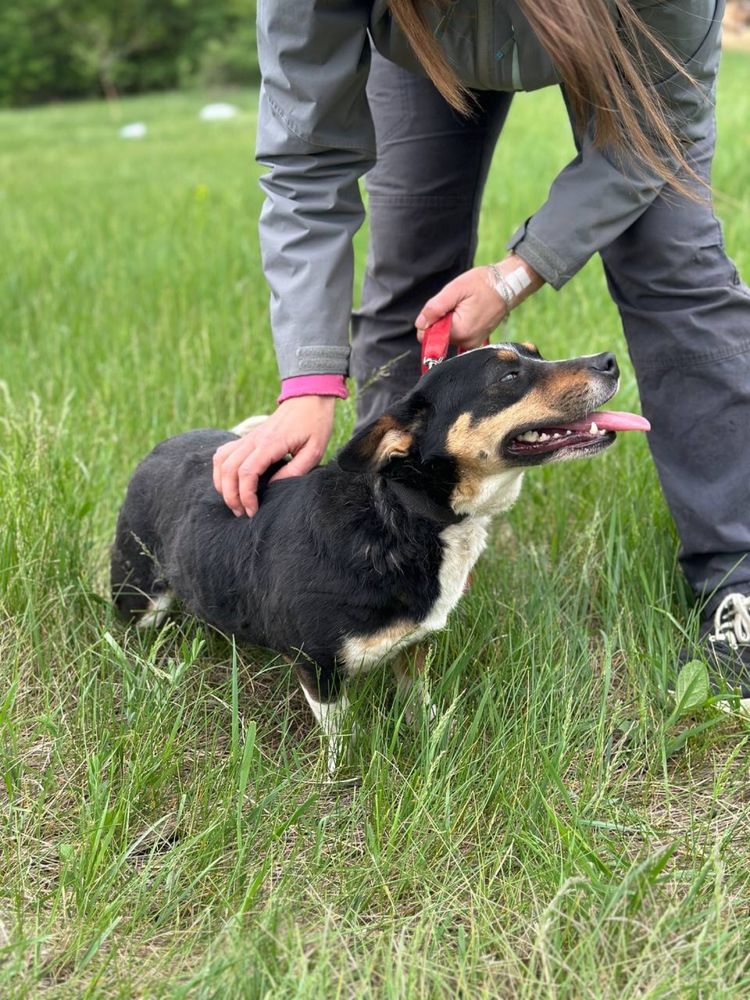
[[610, 420]]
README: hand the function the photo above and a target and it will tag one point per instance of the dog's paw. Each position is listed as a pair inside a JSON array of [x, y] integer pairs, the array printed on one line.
[[158, 609]]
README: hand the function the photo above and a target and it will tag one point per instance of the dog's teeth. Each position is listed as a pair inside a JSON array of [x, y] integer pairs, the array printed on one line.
[[530, 436], [593, 429], [568, 432], [602, 432], [544, 437], [556, 434]]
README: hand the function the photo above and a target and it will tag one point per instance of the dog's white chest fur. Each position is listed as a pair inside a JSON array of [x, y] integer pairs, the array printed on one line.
[[463, 543]]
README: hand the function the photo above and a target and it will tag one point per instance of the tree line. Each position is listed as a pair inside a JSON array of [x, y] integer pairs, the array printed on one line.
[[58, 49]]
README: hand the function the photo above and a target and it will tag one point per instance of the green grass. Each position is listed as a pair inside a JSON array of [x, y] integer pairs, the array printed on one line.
[[166, 829]]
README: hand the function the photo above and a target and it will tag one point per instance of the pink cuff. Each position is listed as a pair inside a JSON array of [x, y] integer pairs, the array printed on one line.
[[313, 385]]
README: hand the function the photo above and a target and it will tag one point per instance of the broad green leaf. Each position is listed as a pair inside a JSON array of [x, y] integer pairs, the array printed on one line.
[[693, 689]]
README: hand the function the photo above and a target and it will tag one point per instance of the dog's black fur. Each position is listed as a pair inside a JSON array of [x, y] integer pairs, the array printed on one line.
[[357, 546], [328, 555]]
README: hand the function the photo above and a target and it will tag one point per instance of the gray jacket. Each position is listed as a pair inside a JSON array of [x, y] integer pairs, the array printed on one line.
[[316, 135]]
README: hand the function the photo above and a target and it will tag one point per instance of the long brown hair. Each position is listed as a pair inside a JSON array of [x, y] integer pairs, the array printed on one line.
[[605, 79]]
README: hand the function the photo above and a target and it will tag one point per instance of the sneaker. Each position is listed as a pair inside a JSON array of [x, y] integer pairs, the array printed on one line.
[[726, 644]]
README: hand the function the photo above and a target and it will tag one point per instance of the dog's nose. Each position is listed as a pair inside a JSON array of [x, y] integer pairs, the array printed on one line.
[[606, 364]]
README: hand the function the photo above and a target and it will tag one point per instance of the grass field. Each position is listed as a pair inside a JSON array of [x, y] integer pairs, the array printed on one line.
[[166, 830]]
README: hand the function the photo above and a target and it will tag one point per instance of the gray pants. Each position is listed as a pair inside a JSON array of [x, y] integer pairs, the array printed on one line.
[[685, 311]]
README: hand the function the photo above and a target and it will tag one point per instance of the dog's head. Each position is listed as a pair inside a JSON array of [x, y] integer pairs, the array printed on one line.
[[488, 412]]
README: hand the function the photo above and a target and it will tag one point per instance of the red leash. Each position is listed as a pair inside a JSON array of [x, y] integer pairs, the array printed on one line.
[[436, 341]]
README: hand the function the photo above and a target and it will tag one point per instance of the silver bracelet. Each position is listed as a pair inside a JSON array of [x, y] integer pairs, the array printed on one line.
[[502, 288], [509, 288]]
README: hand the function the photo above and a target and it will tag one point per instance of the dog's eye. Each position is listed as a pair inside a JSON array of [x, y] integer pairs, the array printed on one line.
[[509, 377]]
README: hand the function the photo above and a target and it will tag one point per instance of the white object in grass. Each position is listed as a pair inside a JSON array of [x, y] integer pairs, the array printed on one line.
[[135, 130], [217, 112]]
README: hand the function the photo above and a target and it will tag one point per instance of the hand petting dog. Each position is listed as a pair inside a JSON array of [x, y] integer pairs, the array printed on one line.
[[300, 427]]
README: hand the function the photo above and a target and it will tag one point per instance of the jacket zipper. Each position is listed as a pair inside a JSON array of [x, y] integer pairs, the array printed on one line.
[[516, 65], [486, 40], [445, 19]]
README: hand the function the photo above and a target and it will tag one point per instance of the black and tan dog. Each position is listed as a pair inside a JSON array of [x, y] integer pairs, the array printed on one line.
[[346, 566]]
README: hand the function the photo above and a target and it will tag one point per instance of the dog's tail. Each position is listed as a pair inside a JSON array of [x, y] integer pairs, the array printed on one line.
[[245, 426]]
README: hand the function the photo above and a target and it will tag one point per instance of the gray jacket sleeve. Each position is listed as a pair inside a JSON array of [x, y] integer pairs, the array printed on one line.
[[316, 135], [600, 194]]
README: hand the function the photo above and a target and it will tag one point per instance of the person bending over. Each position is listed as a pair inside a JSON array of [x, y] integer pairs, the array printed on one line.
[[415, 95]]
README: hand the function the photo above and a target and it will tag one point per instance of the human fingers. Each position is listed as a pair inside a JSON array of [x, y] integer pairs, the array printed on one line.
[[306, 458], [476, 317], [250, 471], [444, 302], [227, 459]]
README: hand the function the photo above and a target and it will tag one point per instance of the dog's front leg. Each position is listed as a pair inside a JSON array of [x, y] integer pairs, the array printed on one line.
[[325, 692], [411, 681]]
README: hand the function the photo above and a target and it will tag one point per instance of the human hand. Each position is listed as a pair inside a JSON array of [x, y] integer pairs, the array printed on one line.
[[301, 426], [476, 305]]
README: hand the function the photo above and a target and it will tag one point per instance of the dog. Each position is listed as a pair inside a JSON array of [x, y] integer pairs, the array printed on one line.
[[343, 568]]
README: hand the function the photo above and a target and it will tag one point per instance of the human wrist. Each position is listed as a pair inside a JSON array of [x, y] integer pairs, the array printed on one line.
[[313, 385], [513, 279]]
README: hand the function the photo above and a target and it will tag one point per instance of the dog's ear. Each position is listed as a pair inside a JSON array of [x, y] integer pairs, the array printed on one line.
[[387, 438]]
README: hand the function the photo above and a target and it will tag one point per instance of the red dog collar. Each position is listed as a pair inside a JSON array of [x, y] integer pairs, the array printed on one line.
[[436, 341]]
